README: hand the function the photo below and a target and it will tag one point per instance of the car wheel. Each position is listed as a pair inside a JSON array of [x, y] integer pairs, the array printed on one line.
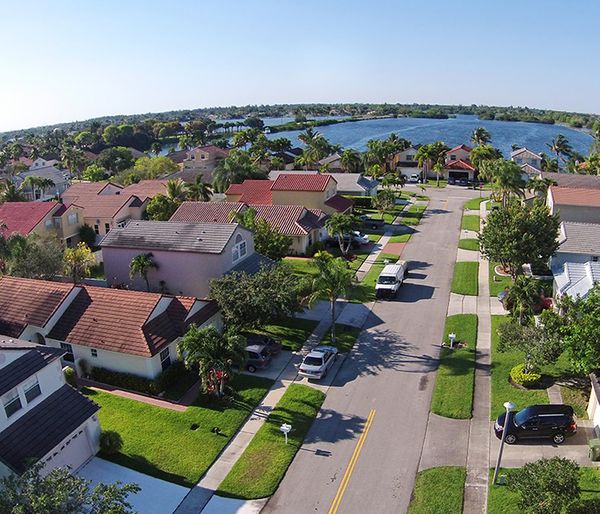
[[324, 374], [558, 438], [251, 368], [510, 439]]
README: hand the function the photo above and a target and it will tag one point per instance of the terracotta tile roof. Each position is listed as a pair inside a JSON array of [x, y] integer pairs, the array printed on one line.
[[252, 191], [105, 206], [206, 212], [291, 220], [26, 301], [23, 217], [458, 165], [578, 197], [179, 156], [86, 188], [146, 188], [460, 147], [223, 152], [339, 203], [118, 320], [574, 180], [301, 182]]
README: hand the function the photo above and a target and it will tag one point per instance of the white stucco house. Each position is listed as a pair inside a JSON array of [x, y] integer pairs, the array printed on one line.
[[42, 419]]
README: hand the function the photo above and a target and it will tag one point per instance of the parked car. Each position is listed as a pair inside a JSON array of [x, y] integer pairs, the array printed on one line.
[[463, 182], [371, 223], [318, 361], [415, 178], [360, 238], [538, 422], [390, 279], [451, 181], [258, 357], [273, 346]]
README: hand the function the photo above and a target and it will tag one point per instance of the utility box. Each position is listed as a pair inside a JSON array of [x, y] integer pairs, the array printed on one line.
[[594, 452]]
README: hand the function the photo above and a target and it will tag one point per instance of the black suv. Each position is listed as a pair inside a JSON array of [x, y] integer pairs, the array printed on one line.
[[538, 422]]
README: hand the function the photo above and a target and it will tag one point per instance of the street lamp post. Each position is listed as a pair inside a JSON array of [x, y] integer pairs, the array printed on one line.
[[509, 407]]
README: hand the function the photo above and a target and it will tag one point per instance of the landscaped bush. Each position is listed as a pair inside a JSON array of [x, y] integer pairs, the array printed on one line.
[[317, 246], [127, 381], [519, 376], [111, 442], [70, 376], [175, 372], [363, 202], [587, 506]]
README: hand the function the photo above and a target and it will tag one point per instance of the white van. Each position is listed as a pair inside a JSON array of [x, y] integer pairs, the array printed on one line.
[[390, 279]]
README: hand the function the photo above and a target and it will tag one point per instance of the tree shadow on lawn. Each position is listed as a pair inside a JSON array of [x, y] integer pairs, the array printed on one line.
[[457, 362], [143, 465]]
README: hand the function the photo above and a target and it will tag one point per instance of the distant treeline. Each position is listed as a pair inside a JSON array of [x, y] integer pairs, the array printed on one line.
[[355, 112]]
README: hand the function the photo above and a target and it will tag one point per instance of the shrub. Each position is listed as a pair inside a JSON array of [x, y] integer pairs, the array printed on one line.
[[110, 442], [587, 506], [70, 376], [175, 372], [87, 235], [315, 247], [364, 202], [519, 376], [127, 381]]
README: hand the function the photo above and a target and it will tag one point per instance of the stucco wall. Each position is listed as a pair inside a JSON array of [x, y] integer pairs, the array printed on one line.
[[561, 257]]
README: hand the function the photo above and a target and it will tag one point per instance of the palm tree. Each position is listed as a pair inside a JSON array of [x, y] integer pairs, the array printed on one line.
[[10, 193], [333, 280], [199, 190], [480, 136], [540, 186], [140, 265], [438, 169], [549, 165], [340, 225], [176, 190], [350, 161], [505, 177], [523, 296], [39, 183], [561, 147], [215, 355]]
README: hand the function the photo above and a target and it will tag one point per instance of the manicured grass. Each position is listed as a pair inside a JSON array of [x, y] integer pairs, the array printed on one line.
[[388, 217], [453, 392], [474, 203], [470, 222], [438, 491], [345, 336], [301, 266], [261, 467], [365, 291], [469, 244], [501, 500], [465, 279], [374, 237], [413, 215], [290, 332], [400, 238], [502, 390], [162, 443], [497, 282], [431, 182]]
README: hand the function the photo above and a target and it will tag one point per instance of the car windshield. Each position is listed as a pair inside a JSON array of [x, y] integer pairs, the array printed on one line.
[[313, 361], [386, 279], [522, 416]]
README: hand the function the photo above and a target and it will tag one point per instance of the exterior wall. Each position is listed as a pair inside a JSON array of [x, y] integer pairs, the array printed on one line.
[[583, 214], [4, 471], [68, 230], [200, 160], [528, 158], [561, 257], [309, 199], [458, 155], [110, 189], [593, 409]]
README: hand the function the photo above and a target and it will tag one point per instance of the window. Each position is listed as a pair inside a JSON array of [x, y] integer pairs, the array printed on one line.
[[239, 249], [453, 157], [97, 229], [94, 352], [49, 223], [107, 227], [122, 223], [32, 389], [11, 402], [410, 157], [165, 359], [57, 222], [73, 218], [69, 355]]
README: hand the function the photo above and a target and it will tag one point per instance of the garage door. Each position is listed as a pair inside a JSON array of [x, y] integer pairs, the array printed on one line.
[[73, 452]]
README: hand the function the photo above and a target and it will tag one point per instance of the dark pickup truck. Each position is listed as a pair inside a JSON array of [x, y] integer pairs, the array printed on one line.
[[371, 223]]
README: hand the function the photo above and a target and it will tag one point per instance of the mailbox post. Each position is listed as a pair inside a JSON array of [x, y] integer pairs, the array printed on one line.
[[452, 338], [285, 428]]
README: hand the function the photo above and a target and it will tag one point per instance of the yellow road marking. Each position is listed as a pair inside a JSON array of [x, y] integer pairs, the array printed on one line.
[[350, 469]]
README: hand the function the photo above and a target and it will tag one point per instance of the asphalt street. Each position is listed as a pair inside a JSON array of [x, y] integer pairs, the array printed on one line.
[[362, 453]]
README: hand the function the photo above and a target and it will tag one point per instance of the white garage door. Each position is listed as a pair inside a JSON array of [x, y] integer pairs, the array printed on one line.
[[73, 452]]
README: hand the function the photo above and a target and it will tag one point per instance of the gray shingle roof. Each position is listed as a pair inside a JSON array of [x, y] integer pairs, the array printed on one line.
[[579, 238], [171, 236], [38, 431], [576, 279], [252, 264]]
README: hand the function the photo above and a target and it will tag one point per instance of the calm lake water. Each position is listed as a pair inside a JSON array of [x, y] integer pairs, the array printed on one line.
[[452, 131]]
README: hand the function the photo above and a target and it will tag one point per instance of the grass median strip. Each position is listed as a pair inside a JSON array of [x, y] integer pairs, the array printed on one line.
[[465, 280], [400, 238], [453, 391], [469, 244], [498, 282], [474, 203], [470, 222], [438, 490], [262, 466], [345, 336], [412, 216], [292, 333]]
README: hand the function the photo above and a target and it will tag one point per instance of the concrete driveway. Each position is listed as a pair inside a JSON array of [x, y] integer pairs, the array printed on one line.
[[155, 497], [273, 370]]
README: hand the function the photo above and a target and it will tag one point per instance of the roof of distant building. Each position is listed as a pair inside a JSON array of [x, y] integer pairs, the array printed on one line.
[[23, 217], [253, 264], [206, 212], [460, 147], [301, 182], [575, 196], [574, 180], [77, 189], [520, 151], [339, 203], [252, 191], [146, 188]]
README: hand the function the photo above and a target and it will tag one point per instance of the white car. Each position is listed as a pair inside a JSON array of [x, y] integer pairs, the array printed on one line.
[[360, 238], [317, 362], [415, 178]]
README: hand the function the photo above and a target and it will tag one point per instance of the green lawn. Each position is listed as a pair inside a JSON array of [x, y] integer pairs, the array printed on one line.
[[473, 203], [374, 238], [502, 390], [453, 391], [465, 279], [388, 217], [431, 182], [400, 238], [469, 244], [365, 291], [438, 491], [177, 446], [345, 337], [291, 332], [263, 464], [470, 222], [501, 500], [301, 266], [497, 283], [413, 215]]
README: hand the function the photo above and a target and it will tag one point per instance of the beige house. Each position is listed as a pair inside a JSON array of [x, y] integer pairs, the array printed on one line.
[[525, 156], [204, 159], [578, 205]]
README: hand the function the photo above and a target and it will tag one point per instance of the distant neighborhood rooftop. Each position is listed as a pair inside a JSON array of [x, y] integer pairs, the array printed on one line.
[[301, 182], [574, 180], [575, 196]]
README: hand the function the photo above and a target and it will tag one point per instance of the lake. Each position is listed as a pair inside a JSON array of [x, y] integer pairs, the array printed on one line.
[[452, 131]]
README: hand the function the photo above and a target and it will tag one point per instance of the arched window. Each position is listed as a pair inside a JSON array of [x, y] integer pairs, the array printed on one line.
[[239, 248]]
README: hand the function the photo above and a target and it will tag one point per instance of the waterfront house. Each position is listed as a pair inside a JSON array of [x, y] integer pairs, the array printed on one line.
[[202, 160], [523, 156]]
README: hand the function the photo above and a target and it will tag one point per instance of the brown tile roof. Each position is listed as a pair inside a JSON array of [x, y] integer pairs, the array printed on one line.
[[339, 203], [85, 188], [146, 188], [458, 165], [178, 156], [222, 152], [301, 182], [26, 301], [206, 212], [574, 180], [573, 196], [252, 191], [460, 147], [105, 206], [291, 220], [23, 217]]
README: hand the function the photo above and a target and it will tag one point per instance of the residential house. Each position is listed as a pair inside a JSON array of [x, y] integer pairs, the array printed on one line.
[[40, 162], [523, 156], [60, 179], [82, 188], [203, 160], [576, 279], [304, 226], [459, 153], [457, 164], [123, 331], [573, 180], [406, 161], [187, 255], [146, 189], [42, 419], [575, 204], [350, 184], [332, 162], [313, 191], [47, 219]]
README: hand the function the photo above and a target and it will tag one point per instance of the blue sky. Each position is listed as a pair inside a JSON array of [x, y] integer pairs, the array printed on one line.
[[64, 60]]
